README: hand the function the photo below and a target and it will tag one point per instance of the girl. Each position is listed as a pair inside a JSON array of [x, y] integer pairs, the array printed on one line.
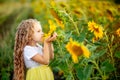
[[29, 54]]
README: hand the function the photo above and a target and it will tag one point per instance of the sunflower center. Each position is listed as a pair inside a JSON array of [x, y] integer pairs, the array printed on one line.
[[77, 50], [96, 29]]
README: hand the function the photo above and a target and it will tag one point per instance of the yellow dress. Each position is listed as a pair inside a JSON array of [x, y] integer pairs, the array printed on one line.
[[42, 72]]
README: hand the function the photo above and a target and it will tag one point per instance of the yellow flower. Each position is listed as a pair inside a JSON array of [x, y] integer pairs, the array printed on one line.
[[118, 32], [57, 18], [98, 32], [63, 4], [91, 26], [52, 3], [96, 29], [52, 29], [75, 58], [94, 39], [77, 12], [92, 9], [86, 52], [54, 14], [60, 23], [76, 49]]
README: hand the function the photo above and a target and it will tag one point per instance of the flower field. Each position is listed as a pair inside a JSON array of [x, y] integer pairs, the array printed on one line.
[[88, 42]]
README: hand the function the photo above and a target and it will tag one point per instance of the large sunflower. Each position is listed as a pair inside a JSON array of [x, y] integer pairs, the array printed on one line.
[[76, 49]]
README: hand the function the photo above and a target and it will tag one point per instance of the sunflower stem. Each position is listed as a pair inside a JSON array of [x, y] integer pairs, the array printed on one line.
[[97, 67], [70, 69], [109, 48], [77, 30], [111, 54]]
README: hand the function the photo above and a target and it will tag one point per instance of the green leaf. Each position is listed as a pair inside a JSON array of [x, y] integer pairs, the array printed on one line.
[[69, 77], [80, 74], [100, 53], [117, 54], [106, 66], [91, 47], [88, 71], [82, 35]]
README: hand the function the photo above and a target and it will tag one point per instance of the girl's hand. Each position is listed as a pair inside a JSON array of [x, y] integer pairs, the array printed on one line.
[[51, 38]]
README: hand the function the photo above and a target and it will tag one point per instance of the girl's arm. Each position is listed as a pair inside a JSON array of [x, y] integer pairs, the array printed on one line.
[[43, 59], [51, 48], [51, 51], [48, 51]]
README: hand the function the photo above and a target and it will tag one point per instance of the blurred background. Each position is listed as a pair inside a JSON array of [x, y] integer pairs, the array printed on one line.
[[12, 12]]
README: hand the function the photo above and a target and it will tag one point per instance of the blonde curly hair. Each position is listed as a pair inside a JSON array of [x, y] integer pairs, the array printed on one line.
[[23, 37]]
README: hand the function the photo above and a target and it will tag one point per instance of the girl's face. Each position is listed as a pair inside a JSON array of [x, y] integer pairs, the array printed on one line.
[[38, 34]]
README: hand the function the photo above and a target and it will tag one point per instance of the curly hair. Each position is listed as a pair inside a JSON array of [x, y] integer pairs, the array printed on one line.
[[23, 37]]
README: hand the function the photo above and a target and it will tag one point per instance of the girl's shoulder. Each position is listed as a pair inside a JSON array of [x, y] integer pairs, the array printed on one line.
[[32, 47], [28, 47]]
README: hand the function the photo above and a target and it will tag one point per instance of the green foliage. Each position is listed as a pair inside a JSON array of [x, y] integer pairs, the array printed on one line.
[[106, 66], [85, 72], [117, 54]]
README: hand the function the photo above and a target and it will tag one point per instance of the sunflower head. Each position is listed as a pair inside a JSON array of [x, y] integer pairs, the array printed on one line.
[[51, 31], [76, 49], [91, 26], [96, 29]]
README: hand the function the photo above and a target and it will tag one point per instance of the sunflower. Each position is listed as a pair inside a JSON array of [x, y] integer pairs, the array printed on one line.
[[76, 49], [57, 18], [118, 32], [91, 26], [60, 23], [86, 52], [55, 14], [94, 39], [96, 29], [52, 29]]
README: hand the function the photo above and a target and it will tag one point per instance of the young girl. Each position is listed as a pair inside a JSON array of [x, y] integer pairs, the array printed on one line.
[[28, 54]]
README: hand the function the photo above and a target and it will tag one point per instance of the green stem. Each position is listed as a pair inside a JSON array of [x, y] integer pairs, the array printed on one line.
[[73, 23], [59, 47], [111, 53], [97, 67], [70, 69]]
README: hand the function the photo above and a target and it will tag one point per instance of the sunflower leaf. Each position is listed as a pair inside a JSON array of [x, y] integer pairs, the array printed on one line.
[[82, 36], [80, 73], [88, 71], [100, 53], [117, 54], [107, 66]]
